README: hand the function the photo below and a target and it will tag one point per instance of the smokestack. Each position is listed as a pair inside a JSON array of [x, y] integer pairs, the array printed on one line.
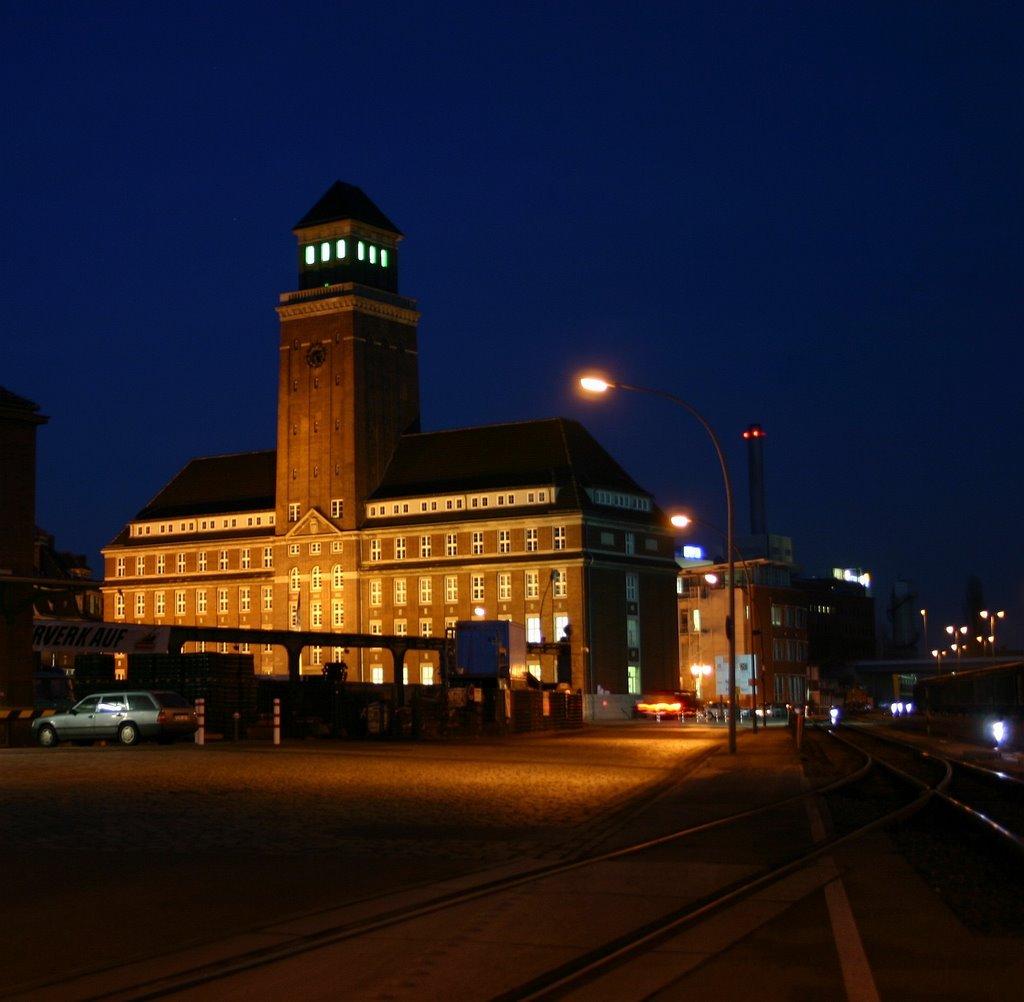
[[755, 436]]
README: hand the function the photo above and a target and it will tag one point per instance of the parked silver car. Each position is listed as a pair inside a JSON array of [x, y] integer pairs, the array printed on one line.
[[129, 717]]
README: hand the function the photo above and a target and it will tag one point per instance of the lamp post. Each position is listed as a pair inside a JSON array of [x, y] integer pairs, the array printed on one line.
[[938, 654], [924, 620], [956, 632], [596, 384], [992, 617]]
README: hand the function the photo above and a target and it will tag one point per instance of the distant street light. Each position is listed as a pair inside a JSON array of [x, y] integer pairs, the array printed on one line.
[[956, 632], [938, 654], [595, 384], [992, 617], [924, 619]]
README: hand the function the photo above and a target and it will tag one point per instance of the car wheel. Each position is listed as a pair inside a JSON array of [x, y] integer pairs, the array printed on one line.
[[47, 737], [128, 734]]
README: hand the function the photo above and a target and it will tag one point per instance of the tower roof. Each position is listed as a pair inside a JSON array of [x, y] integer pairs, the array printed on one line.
[[346, 201]]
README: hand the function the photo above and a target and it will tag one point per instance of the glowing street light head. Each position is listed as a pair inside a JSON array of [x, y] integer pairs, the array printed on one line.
[[595, 384], [681, 521]]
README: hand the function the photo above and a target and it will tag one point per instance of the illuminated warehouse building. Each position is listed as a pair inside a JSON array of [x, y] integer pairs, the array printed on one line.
[[359, 522]]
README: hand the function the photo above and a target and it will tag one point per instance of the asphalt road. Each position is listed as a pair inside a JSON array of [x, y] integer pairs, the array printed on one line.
[[111, 853]]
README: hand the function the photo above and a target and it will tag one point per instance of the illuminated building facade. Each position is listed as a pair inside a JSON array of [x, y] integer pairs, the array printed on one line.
[[358, 522]]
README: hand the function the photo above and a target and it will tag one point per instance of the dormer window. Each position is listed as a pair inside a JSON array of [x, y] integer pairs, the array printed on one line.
[[310, 254], [340, 250], [325, 251]]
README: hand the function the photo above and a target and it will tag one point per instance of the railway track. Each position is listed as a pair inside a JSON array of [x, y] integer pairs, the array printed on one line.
[[552, 930]]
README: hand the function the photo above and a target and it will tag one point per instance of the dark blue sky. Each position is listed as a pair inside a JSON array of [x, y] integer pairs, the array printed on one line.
[[807, 215]]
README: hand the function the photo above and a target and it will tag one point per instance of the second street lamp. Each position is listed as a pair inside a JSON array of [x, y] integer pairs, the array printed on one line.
[[597, 384]]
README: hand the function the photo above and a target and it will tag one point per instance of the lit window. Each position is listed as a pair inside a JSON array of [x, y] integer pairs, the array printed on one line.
[[375, 549], [373, 254], [451, 589], [426, 591], [310, 254], [558, 537], [532, 584], [478, 587], [504, 541], [560, 583], [383, 258], [400, 548], [325, 251], [531, 540], [268, 598], [478, 542], [315, 579], [339, 250], [361, 251], [504, 587], [119, 605], [375, 592]]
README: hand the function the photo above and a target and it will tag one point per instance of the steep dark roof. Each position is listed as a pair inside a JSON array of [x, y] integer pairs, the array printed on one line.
[[346, 201], [23, 409], [555, 450], [242, 482]]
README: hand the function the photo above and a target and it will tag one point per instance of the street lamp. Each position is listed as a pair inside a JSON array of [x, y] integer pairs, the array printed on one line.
[[938, 654], [924, 619], [992, 617], [596, 384], [956, 632]]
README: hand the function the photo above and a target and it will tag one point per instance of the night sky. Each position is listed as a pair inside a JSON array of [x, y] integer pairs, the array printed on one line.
[[807, 215]]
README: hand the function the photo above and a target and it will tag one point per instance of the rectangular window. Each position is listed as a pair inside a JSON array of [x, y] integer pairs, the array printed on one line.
[[478, 587], [425, 546], [558, 537], [293, 513], [560, 583], [630, 543], [119, 605], [478, 543], [374, 549], [532, 584], [533, 635], [140, 566], [316, 615], [504, 587], [561, 622], [181, 563], [202, 560], [246, 559], [401, 591], [451, 589], [161, 604], [222, 600], [179, 603], [377, 674], [161, 563], [337, 613], [268, 556], [244, 600], [201, 601], [400, 548], [632, 632], [268, 598], [337, 508], [504, 541], [401, 628], [531, 540], [632, 588], [375, 592], [426, 591], [426, 627], [451, 544], [119, 572], [426, 670], [222, 560], [633, 679]]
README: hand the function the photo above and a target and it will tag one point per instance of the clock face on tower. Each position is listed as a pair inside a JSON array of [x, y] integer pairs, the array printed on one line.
[[316, 356]]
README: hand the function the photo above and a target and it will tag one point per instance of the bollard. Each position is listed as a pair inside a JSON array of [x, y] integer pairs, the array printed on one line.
[[277, 721], [201, 716]]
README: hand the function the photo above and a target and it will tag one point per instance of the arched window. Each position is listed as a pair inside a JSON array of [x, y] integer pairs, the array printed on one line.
[[293, 579]]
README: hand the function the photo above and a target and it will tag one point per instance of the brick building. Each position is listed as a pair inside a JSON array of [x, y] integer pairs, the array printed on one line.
[[358, 522]]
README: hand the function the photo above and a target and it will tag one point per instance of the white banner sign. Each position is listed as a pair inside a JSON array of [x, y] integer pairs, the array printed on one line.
[[745, 664], [81, 637]]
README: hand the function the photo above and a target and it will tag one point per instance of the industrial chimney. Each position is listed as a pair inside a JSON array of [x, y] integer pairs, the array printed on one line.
[[755, 436]]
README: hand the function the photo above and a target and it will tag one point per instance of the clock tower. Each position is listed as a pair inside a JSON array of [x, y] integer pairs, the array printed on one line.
[[348, 385]]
